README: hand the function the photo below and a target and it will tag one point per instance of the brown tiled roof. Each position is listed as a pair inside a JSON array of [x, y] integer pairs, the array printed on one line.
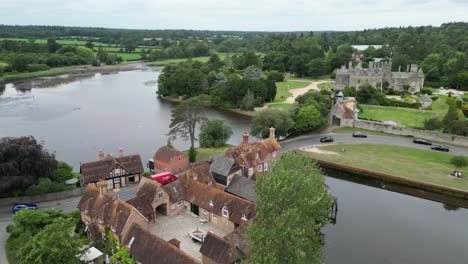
[[147, 248], [175, 191], [219, 249], [97, 170], [246, 154], [143, 205], [166, 154], [237, 238], [202, 171], [105, 209], [201, 195]]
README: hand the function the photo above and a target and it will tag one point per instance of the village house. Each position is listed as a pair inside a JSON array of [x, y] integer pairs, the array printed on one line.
[[169, 159], [223, 169], [242, 187], [116, 171], [100, 210], [343, 111], [255, 158]]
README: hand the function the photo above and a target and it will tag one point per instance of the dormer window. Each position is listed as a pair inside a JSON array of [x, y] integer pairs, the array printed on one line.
[[113, 228], [100, 221], [195, 177], [225, 212], [211, 203], [259, 167], [244, 217]]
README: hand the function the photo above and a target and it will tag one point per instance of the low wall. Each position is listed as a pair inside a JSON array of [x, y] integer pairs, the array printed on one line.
[[42, 197], [404, 131]]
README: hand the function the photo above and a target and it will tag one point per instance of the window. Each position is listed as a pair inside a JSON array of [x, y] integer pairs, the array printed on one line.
[[225, 212], [244, 217], [195, 177], [86, 212], [211, 203], [117, 180], [274, 154], [109, 181], [179, 203], [265, 166], [214, 216], [257, 155], [113, 228], [100, 221], [160, 195], [117, 170], [205, 212], [174, 189], [259, 167], [250, 171]]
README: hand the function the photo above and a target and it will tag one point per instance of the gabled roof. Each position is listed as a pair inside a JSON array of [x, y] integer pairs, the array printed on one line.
[[219, 249], [242, 187], [250, 154], [98, 170], [166, 154], [221, 165], [202, 172], [105, 208], [148, 248]]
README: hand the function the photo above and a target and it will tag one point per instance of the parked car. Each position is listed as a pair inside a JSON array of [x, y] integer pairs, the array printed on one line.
[[440, 148], [22, 206], [421, 141], [359, 134], [326, 139], [164, 177]]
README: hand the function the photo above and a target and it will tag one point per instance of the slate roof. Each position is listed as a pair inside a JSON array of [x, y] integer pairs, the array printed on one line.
[[148, 248], [242, 187], [221, 165], [166, 154], [98, 170]]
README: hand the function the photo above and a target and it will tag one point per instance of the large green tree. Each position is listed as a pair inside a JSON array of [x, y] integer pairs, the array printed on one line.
[[214, 134], [308, 118], [279, 119], [293, 204]]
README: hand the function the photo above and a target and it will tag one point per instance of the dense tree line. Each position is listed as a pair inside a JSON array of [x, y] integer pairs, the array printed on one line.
[[231, 87]]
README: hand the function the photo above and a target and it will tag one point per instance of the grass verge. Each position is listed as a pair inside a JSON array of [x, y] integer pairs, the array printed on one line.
[[415, 164]]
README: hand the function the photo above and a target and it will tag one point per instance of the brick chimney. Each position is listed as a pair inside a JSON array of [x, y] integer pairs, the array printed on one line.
[[102, 187], [272, 133], [175, 242], [121, 152], [245, 138], [100, 155]]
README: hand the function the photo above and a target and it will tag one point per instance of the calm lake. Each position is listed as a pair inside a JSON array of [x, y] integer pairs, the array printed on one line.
[[78, 116]]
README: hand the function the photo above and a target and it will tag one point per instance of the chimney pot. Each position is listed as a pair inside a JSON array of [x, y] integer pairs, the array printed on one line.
[[100, 155], [272, 133], [245, 138], [102, 187], [121, 152]]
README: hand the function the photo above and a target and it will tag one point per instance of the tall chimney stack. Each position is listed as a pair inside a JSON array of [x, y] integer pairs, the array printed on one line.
[[102, 187], [245, 138], [121, 152], [407, 68], [100, 155], [272, 133]]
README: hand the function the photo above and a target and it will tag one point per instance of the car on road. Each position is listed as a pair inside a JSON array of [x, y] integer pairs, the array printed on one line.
[[359, 135], [22, 206], [326, 139], [421, 141], [440, 148]]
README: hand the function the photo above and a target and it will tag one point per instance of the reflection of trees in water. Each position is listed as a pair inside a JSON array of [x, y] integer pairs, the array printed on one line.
[[2, 88], [451, 207]]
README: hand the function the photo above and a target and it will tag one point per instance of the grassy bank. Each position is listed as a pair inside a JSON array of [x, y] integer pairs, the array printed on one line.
[[325, 85], [27, 75], [421, 165], [204, 153], [282, 91], [282, 106]]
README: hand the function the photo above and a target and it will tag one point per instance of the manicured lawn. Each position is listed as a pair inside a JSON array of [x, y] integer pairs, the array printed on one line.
[[415, 164], [282, 106], [408, 117], [325, 85], [204, 153], [282, 89]]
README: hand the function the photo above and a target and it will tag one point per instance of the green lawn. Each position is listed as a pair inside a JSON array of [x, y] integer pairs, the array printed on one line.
[[325, 85], [204, 153], [129, 56], [408, 117], [282, 91], [415, 164], [282, 106]]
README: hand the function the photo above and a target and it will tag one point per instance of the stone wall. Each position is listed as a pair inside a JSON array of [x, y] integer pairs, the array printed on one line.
[[42, 197], [404, 131]]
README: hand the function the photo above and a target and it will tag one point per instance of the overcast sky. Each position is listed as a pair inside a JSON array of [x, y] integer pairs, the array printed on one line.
[[248, 15]]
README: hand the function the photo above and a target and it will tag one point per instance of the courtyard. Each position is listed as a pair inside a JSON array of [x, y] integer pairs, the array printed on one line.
[[179, 226]]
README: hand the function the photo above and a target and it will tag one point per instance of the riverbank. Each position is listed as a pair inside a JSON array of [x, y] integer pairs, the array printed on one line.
[[236, 111], [415, 167]]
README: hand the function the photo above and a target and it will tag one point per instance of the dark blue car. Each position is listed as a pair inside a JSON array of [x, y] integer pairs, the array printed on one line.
[[21, 206]]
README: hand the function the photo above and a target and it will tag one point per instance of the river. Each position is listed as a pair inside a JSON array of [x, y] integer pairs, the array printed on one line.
[[78, 116]]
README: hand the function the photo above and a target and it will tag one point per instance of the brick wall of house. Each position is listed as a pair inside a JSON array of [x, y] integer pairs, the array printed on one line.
[[175, 208], [217, 220]]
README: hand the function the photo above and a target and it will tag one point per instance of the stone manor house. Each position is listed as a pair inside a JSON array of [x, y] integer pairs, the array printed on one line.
[[377, 74]]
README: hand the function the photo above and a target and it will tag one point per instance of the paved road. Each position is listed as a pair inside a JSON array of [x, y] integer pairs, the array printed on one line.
[[67, 205], [70, 204]]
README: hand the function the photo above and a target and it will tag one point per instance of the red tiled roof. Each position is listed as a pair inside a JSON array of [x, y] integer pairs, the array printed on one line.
[[250, 154], [166, 154]]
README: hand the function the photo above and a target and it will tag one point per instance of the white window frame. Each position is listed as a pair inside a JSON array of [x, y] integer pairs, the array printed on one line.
[[259, 167], [211, 203], [214, 216], [117, 180], [179, 203], [265, 166], [205, 212], [244, 217], [225, 212], [250, 171], [160, 195], [117, 170], [110, 181]]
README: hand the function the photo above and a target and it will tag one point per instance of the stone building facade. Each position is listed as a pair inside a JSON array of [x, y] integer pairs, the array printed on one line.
[[377, 74]]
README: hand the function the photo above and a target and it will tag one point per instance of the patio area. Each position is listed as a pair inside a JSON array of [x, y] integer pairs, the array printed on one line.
[[179, 226]]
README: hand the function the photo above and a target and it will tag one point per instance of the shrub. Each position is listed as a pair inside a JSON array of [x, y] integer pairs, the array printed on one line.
[[147, 174], [459, 161], [38, 67], [426, 91], [192, 154], [275, 76], [214, 133], [433, 124]]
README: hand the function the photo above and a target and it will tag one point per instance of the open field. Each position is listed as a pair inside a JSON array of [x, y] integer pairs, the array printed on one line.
[[129, 56], [415, 164], [282, 91], [408, 117]]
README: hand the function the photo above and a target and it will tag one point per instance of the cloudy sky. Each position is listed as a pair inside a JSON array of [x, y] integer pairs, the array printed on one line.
[[269, 15]]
